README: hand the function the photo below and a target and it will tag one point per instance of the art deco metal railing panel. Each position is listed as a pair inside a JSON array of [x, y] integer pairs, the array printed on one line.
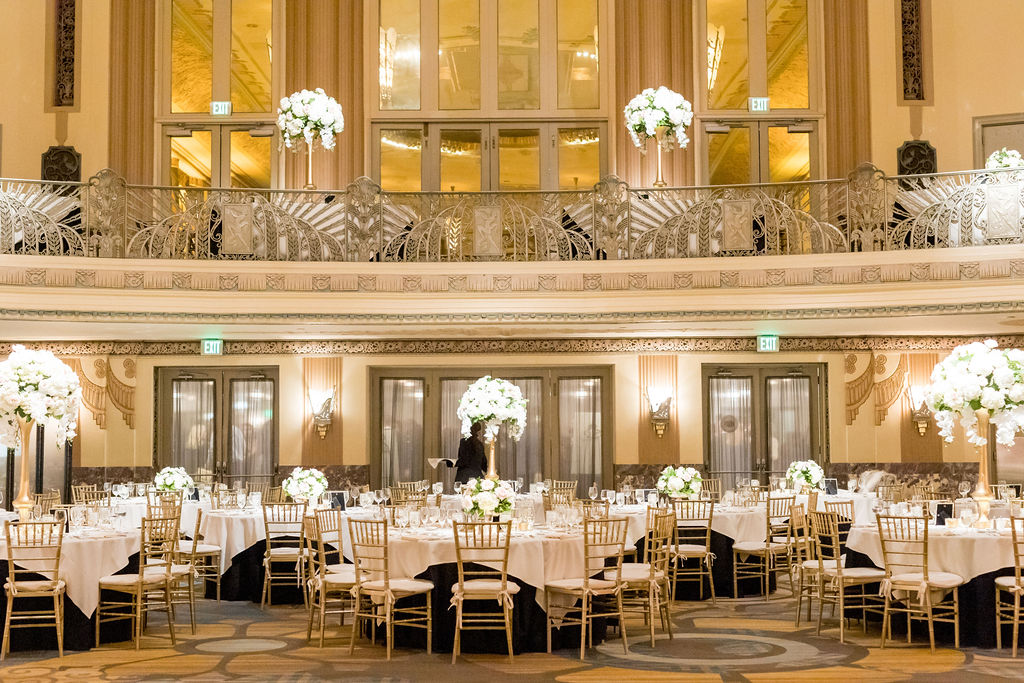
[[105, 217]]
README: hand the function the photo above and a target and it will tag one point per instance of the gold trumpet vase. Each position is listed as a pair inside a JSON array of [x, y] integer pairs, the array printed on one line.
[[659, 137], [309, 169], [982, 493], [492, 468], [23, 502]]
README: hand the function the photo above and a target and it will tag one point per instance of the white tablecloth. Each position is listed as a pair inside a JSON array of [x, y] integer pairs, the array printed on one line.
[[967, 553], [135, 510], [233, 531], [85, 559], [740, 523], [862, 502]]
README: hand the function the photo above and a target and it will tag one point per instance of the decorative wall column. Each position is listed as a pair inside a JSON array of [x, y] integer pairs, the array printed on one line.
[[653, 46], [324, 49], [847, 95]]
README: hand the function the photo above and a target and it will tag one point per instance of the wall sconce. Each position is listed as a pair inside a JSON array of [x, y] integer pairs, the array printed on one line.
[[660, 401], [321, 402], [920, 415]]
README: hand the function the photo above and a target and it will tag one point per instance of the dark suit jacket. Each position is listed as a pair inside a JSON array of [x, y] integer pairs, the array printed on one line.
[[472, 463]]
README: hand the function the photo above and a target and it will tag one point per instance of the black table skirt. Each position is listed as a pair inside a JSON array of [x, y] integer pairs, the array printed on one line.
[[79, 630], [244, 579], [977, 610], [721, 572]]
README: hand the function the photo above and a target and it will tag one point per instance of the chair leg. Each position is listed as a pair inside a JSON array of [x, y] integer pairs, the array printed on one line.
[[508, 632], [999, 622], [735, 581], [547, 618], [430, 623], [137, 623], [266, 580], [885, 620], [583, 626], [58, 624], [323, 614], [956, 618], [309, 625], [711, 583], [355, 623], [842, 614], [799, 595], [931, 623], [192, 604], [622, 624], [7, 628], [388, 625], [458, 630], [1016, 620], [170, 611]]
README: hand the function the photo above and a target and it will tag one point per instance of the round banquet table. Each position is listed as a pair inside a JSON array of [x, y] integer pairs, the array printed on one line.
[[134, 510], [86, 557], [978, 556], [863, 512]]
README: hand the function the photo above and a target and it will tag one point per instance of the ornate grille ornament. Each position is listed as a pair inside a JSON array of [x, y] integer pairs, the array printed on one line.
[[867, 211], [915, 157], [64, 53], [912, 50]]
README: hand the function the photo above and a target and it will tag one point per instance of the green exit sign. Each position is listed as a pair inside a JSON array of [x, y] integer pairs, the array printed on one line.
[[767, 343], [213, 347]]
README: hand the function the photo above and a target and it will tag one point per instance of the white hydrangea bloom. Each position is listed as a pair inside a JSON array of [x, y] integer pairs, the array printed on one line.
[[484, 497], [37, 386], [173, 479], [308, 114], [676, 482], [494, 402], [306, 484], [803, 472], [1004, 158], [660, 107]]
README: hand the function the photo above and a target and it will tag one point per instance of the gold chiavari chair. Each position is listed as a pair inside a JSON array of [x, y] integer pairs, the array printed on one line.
[[603, 540], [713, 487], [94, 497], [926, 492], [891, 493], [905, 553], [261, 487], [646, 589], [39, 545], [76, 492], [843, 508], [329, 592], [1011, 587], [164, 504], [553, 498], [46, 500], [693, 543], [183, 579], [275, 494], [205, 557], [150, 588], [567, 487], [753, 559], [284, 561], [331, 525], [481, 553], [376, 590], [812, 500], [833, 578], [805, 561], [595, 509]]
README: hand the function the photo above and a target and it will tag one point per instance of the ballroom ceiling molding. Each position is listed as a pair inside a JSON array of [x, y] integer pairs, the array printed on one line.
[[868, 344]]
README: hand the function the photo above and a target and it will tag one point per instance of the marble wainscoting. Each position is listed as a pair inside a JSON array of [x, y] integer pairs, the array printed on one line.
[[638, 476], [98, 475], [339, 477], [946, 474]]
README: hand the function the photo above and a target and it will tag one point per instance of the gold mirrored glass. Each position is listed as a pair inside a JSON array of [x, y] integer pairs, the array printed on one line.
[[250, 160], [191, 160], [519, 159], [251, 52], [729, 157], [789, 155], [786, 25], [401, 152], [518, 55], [461, 160], [578, 84], [727, 54], [191, 55], [398, 65], [579, 158], [458, 54]]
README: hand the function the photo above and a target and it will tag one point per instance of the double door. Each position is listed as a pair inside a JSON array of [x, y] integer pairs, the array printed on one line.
[[218, 155], [761, 418], [415, 424], [739, 152], [478, 157], [220, 424]]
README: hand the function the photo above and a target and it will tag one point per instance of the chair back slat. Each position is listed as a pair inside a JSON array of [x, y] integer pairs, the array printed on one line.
[[369, 540], [78, 489], [661, 527], [477, 543], [158, 544], [829, 535], [693, 521], [904, 544], [713, 487], [282, 523], [1017, 536], [843, 508], [603, 539]]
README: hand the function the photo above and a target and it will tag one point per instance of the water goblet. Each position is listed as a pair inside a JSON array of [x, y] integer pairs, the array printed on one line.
[[609, 495], [593, 491], [964, 488], [438, 487], [519, 484]]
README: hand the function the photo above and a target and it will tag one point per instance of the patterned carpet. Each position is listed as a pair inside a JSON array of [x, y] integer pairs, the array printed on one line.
[[745, 640]]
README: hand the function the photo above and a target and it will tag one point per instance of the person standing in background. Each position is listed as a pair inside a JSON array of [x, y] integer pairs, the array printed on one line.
[[471, 463]]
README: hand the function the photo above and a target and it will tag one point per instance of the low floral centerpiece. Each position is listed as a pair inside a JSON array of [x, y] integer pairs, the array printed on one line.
[[305, 484], [1004, 158], [173, 479], [304, 117], [494, 402], [36, 387], [487, 497], [679, 482], [805, 474]]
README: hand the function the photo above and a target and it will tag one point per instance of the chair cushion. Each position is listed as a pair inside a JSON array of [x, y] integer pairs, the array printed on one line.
[[286, 553], [346, 571], [1008, 582], [489, 588], [754, 547], [201, 548], [408, 586], [859, 573], [149, 578], [689, 550], [935, 579], [634, 571], [340, 579], [38, 586], [576, 585]]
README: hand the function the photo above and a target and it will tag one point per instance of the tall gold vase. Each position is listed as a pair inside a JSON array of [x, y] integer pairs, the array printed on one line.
[[982, 493], [659, 137], [309, 169], [492, 467], [23, 502]]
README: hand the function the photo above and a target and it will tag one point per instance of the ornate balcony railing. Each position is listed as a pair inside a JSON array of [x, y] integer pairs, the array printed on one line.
[[868, 211]]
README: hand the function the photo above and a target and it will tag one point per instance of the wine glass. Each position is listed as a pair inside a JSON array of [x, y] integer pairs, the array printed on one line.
[[609, 495], [593, 491], [519, 484], [438, 487], [964, 488], [851, 483], [627, 493]]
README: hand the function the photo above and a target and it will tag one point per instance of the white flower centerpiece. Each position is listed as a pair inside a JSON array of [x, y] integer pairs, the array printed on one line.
[[494, 402], [35, 387], [679, 482], [662, 114], [487, 497], [304, 117], [1004, 158], [173, 479], [305, 484], [979, 383], [805, 474]]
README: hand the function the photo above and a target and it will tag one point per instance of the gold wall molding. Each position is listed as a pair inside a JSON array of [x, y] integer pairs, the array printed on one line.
[[94, 394], [122, 394], [517, 346], [890, 389], [859, 389]]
